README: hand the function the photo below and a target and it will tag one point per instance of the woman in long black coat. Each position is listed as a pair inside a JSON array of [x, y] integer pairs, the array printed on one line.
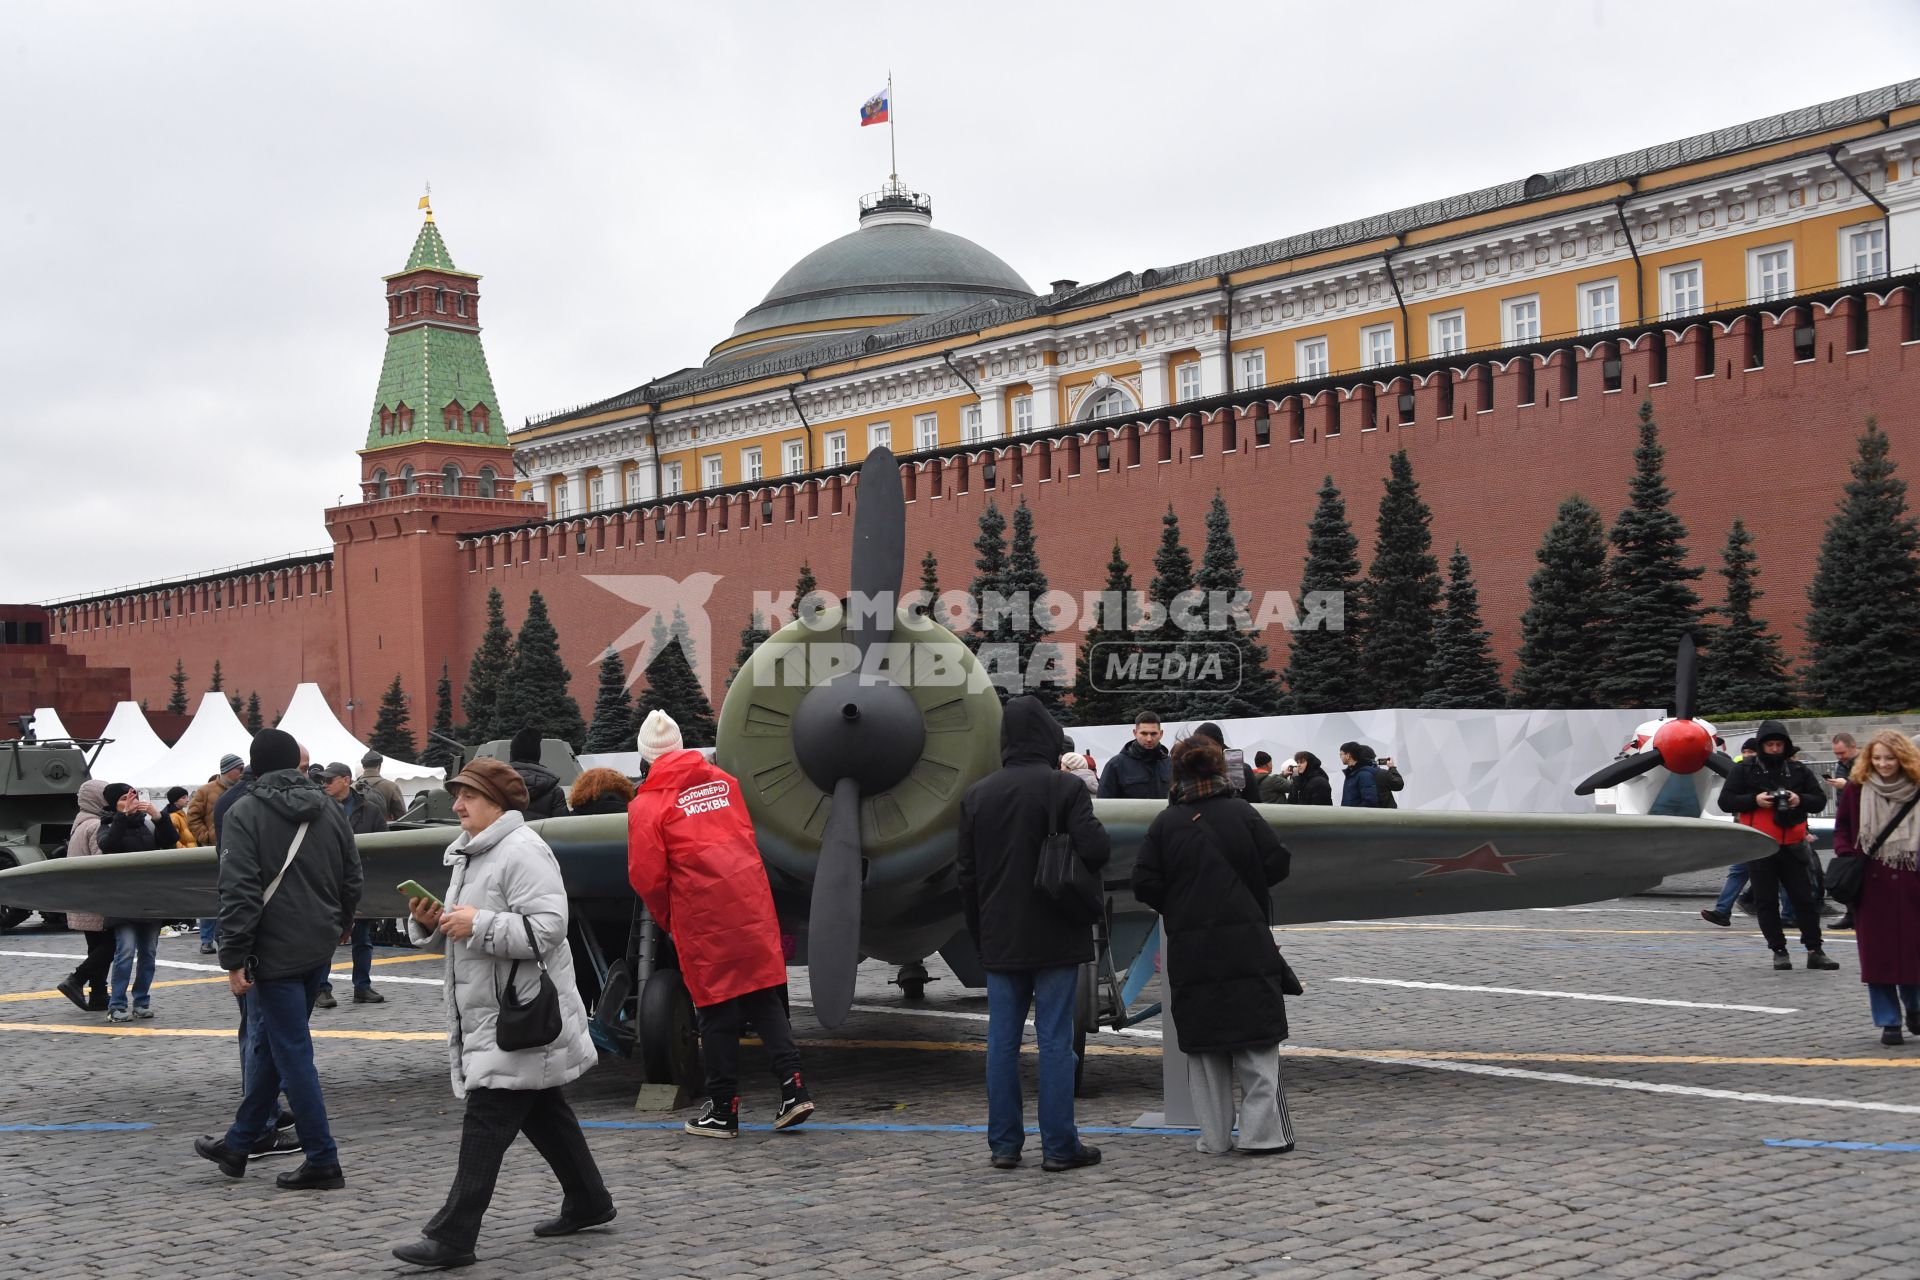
[[1206, 866]]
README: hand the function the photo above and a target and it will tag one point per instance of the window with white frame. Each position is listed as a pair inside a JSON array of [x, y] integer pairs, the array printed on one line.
[[1310, 358], [1863, 251], [1448, 332], [1187, 382], [1599, 306], [1520, 319], [793, 457], [1770, 272], [926, 431], [970, 424], [559, 499], [1023, 414], [751, 468], [633, 484], [670, 479], [1253, 369], [597, 494], [880, 435], [1376, 345], [1682, 291], [710, 472], [836, 442]]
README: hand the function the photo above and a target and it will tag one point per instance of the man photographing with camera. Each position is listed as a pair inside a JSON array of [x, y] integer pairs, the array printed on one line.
[[1772, 792]]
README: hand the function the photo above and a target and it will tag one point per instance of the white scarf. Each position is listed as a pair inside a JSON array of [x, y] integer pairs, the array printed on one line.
[[1879, 801]]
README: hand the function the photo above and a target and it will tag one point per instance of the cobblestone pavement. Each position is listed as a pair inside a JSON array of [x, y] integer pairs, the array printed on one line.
[[1442, 1132]]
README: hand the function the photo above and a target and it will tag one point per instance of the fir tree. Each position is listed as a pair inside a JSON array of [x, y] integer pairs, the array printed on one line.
[[177, 701], [492, 661], [929, 584], [613, 726], [752, 636], [1323, 662], [1562, 633], [233, 700], [1401, 595], [803, 587], [1861, 651], [1250, 687], [1463, 674], [218, 683], [1043, 663], [392, 730], [991, 625], [252, 719], [1170, 595], [1101, 692], [673, 688], [535, 694], [438, 754], [1649, 604], [1744, 669]]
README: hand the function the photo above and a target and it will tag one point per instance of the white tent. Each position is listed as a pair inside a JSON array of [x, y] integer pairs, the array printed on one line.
[[310, 720], [215, 732], [132, 745], [47, 726]]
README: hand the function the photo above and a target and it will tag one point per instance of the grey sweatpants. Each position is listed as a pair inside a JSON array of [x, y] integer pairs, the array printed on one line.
[[1264, 1122]]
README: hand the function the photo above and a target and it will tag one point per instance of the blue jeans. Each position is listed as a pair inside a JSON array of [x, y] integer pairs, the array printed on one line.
[[1737, 877], [133, 953], [209, 926], [1050, 993], [1887, 1004], [362, 957], [279, 1057]]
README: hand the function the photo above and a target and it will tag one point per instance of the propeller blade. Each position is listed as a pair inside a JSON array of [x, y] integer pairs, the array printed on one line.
[[879, 548], [1620, 771], [1720, 763], [833, 920], [1684, 683]]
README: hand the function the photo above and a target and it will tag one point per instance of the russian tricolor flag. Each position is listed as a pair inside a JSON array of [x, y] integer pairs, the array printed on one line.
[[875, 110]]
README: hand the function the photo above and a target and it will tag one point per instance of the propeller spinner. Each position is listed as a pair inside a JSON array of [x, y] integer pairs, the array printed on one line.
[[1680, 745]]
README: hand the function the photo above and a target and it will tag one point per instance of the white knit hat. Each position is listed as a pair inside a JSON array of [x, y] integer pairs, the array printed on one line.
[[1073, 760], [658, 735]]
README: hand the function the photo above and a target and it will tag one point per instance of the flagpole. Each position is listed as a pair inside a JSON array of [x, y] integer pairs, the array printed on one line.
[[893, 150]]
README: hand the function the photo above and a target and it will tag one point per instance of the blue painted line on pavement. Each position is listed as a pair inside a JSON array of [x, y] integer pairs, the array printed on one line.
[[1802, 1143], [881, 1128], [102, 1126]]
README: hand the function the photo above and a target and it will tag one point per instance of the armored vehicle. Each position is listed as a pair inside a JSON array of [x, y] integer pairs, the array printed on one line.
[[38, 780]]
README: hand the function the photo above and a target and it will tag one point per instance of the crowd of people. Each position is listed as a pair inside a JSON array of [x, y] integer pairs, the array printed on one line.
[[1143, 770]]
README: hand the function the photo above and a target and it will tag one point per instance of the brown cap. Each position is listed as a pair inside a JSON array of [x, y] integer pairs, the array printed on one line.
[[494, 779]]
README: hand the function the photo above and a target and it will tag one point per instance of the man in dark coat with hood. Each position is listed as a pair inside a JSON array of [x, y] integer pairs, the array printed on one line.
[[546, 798], [289, 883], [1031, 950], [1140, 770], [1773, 793]]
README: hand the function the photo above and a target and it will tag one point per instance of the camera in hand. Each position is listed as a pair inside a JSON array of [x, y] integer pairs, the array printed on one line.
[[1784, 798]]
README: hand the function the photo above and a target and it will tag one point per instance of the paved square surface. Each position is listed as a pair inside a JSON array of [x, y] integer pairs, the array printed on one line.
[[1442, 1132]]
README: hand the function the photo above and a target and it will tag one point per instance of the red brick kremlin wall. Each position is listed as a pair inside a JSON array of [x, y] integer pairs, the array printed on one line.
[[1770, 445]]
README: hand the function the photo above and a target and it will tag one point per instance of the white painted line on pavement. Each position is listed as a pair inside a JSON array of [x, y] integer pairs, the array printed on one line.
[[1566, 995], [214, 968]]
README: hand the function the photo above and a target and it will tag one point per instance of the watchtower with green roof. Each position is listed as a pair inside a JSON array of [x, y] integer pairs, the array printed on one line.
[[436, 425]]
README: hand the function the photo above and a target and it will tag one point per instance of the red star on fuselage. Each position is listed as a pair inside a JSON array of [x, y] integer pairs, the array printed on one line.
[[1484, 858]]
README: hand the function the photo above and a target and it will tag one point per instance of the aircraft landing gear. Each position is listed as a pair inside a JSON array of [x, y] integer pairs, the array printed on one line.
[[644, 1011], [912, 980]]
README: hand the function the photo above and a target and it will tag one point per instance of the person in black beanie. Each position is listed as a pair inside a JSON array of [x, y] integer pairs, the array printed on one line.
[[546, 798]]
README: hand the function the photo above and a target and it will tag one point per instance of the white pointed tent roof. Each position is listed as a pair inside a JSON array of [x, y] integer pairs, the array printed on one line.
[[214, 732], [309, 719], [47, 726], [132, 745]]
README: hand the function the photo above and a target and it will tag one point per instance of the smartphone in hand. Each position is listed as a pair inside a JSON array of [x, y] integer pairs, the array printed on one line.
[[411, 889]]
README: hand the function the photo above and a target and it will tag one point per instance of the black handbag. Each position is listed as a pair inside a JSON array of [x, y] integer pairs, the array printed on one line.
[[1063, 877], [1847, 877], [533, 1023]]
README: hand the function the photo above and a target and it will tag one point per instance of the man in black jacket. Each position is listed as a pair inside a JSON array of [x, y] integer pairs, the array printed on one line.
[[1031, 951], [1772, 792], [366, 812], [289, 883], [546, 798], [1141, 770]]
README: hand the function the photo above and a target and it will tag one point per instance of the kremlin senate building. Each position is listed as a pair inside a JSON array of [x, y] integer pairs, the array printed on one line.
[[1755, 284]]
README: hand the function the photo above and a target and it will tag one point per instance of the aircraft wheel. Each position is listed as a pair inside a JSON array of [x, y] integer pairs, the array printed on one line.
[[1086, 1017], [912, 980], [11, 917], [669, 1039]]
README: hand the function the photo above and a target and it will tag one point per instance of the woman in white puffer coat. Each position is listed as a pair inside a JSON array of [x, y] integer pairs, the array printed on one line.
[[506, 897]]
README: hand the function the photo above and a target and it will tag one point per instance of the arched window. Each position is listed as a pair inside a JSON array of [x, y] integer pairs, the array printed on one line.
[[386, 421], [450, 479], [440, 301], [407, 484], [487, 479], [477, 418], [380, 483], [455, 418], [403, 417], [1111, 403]]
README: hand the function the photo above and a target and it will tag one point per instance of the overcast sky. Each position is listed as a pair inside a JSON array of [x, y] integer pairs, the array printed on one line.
[[199, 200]]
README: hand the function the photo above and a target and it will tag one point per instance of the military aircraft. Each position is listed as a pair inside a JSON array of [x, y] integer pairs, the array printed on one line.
[[1672, 766], [854, 733]]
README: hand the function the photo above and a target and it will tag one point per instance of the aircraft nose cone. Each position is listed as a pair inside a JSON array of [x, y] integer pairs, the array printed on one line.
[[1684, 745], [872, 733]]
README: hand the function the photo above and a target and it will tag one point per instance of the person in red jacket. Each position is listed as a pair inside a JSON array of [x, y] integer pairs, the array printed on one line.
[[692, 858]]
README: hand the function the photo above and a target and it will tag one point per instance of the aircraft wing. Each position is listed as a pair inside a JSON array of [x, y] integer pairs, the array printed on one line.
[[1370, 864], [183, 883]]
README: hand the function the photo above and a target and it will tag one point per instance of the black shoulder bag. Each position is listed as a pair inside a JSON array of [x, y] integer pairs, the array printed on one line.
[[1062, 876], [533, 1023], [1847, 877]]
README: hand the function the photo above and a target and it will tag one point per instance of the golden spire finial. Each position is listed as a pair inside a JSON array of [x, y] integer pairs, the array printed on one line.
[[426, 202]]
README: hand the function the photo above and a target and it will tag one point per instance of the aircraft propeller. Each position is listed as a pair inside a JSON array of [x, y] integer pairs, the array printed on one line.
[[1681, 744], [856, 735]]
